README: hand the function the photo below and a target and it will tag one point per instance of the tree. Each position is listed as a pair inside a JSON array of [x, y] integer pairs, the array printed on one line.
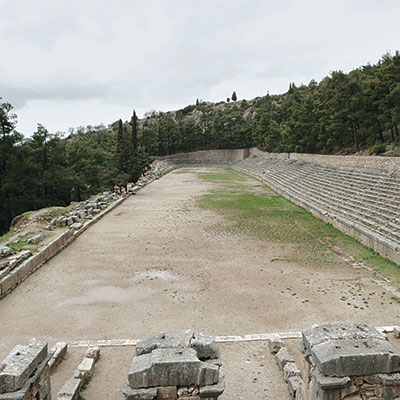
[[135, 171], [234, 97]]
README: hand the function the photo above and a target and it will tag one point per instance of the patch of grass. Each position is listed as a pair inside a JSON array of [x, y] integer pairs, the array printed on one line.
[[268, 216], [7, 236]]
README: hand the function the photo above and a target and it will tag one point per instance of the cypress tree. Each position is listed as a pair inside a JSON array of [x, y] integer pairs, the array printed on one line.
[[135, 167]]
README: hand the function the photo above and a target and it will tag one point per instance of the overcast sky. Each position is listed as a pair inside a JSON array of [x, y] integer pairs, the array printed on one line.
[[70, 63]]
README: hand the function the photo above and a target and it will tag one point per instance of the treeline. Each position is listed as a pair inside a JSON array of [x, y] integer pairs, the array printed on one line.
[[49, 170], [345, 112]]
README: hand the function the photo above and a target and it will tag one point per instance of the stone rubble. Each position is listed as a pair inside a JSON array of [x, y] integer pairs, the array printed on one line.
[[73, 386], [83, 210], [5, 251], [175, 365]]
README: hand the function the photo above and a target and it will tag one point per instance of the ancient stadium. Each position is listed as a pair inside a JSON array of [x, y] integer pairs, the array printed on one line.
[[288, 261]]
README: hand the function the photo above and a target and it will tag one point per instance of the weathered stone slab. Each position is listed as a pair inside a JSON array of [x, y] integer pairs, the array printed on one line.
[[167, 393], [9, 281], [139, 394], [171, 367], [59, 350], [289, 370], [93, 352], [169, 340], [86, 366], [283, 357], [35, 239], [5, 251], [70, 390], [396, 332], [36, 387], [205, 346], [275, 343], [318, 334], [355, 357], [294, 384], [20, 364], [329, 382], [213, 390]]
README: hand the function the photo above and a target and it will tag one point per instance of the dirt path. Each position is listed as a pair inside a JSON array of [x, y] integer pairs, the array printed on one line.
[[152, 265]]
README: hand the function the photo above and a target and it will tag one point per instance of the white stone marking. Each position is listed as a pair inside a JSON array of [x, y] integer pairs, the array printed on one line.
[[218, 339]]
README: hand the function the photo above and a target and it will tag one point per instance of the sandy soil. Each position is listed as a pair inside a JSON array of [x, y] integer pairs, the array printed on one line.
[[153, 264]]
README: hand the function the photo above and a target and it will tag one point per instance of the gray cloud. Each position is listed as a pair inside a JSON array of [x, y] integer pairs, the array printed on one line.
[[104, 56]]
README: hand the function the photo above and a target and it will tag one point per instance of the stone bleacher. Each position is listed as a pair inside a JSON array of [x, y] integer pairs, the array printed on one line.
[[351, 199]]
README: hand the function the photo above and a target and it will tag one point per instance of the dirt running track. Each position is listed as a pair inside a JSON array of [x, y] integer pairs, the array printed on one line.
[[154, 265]]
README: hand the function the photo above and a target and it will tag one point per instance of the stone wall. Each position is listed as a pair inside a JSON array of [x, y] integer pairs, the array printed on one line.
[[377, 163]]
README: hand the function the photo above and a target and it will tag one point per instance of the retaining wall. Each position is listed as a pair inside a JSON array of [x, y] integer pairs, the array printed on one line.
[[377, 163], [21, 272]]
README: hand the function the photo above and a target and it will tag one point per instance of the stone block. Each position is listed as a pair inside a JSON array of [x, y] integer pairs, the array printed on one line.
[[8, 282], [294, 385], [275, 343], [283, 357], [289, 370], [139, 394], [318, 334], [61, 221], [20, 364], [4, 264], [169, 340], [36, 387], [82, 214], [59, 350], [76, 226], [93, 352], [36, 239], [167, 393], [355, 357], [70, 390], [170, 367], [86, 366], [205, 346], [396, 332], [5, 251], [213, 390], [70, 221]]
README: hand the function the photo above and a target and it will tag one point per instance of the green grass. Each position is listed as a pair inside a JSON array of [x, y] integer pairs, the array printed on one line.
[[257, 211], [7, 236]]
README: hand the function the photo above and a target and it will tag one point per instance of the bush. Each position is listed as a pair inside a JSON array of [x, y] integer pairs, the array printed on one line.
[[377, 148]]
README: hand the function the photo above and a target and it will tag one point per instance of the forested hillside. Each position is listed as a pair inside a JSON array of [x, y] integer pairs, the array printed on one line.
[[345, 112], [47, 170]]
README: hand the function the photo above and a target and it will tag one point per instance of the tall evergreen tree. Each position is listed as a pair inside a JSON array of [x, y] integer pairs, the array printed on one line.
[[135, 170], [234, 96]]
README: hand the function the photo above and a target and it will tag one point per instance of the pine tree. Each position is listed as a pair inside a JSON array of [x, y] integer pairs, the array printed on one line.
[[234, 97]]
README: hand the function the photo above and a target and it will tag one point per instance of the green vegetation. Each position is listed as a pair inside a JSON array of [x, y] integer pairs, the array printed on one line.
[[257, 211], [47, 170], [344, 113]]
